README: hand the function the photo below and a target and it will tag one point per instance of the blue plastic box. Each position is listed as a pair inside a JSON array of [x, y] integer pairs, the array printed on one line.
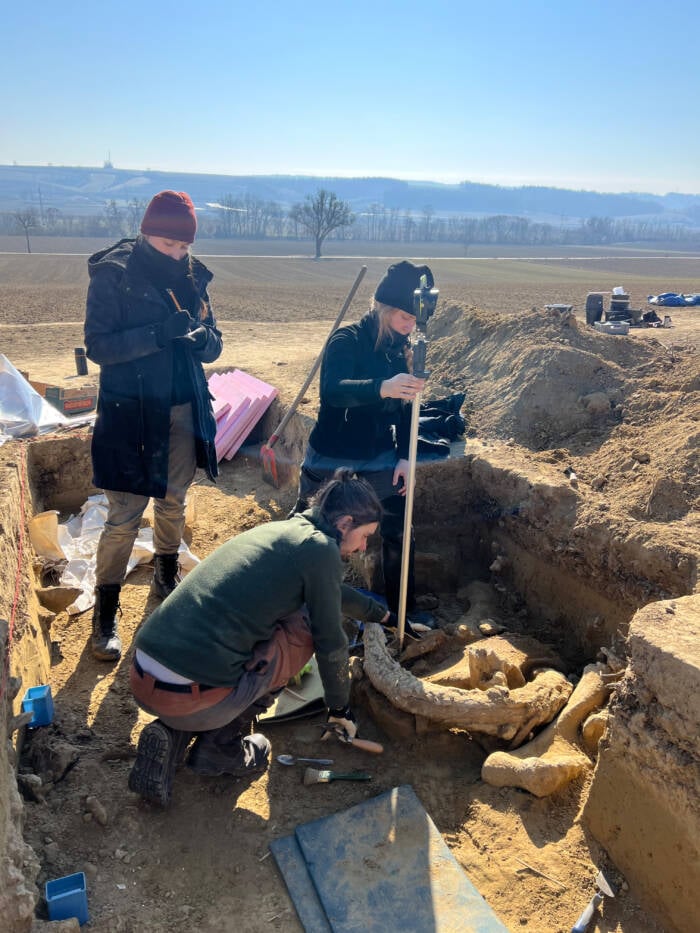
[[38, 700], [67, 897]]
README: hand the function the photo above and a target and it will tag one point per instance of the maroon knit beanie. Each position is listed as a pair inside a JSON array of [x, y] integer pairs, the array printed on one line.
[[171, 215]]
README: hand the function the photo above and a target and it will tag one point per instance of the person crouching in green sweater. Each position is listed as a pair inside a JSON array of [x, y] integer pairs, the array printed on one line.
[[239, 626]]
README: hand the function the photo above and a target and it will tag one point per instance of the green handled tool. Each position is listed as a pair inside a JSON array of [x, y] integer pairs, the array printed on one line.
[[312, 776]]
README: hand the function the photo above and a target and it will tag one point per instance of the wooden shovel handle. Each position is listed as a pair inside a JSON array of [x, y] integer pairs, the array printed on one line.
[[274, 437], [367, 746]]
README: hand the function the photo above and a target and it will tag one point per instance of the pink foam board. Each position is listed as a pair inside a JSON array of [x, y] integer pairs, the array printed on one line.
[[220, 406], [265, 392], [227, 433], [248, 398]]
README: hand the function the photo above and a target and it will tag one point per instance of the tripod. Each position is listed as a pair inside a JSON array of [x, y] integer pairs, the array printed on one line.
[[424, 301]]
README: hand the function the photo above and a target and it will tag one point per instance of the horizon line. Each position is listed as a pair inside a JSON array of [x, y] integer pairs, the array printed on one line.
[[346, 176]]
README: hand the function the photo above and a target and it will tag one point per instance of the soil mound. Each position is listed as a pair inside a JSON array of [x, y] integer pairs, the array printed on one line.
[[615, 409]]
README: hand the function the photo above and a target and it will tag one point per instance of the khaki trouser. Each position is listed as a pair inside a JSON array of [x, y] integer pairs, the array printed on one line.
[[126, 509]]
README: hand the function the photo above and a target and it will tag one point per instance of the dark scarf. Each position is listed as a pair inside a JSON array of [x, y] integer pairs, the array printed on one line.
[[166, 274], [175, 275]]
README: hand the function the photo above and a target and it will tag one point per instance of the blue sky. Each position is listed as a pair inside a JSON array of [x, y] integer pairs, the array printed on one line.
[[594, 94]]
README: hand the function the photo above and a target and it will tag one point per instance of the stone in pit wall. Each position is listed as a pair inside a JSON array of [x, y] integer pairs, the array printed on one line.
[[644, 801]]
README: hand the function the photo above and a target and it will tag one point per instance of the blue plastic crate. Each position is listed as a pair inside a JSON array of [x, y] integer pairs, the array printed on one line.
[[38, 700], [67, 897]]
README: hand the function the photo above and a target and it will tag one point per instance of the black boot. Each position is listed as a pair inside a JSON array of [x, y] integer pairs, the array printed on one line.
[[160, 750], [166, 574], [392, 551], [106, 645], [227, 751]]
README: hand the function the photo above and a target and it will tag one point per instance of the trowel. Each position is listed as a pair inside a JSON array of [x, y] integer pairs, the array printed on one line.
[[604, 887]]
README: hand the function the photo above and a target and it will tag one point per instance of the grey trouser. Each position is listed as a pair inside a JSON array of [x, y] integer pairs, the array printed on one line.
[[197, 708], [126, 509], [378, 472], [314, 472]]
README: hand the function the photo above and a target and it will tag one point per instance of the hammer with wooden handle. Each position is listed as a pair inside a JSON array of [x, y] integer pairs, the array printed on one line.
[[366, 745]]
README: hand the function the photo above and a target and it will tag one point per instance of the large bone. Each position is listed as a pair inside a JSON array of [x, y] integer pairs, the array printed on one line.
[[507, 714], [483, 608], [513, 656], [553, 758]]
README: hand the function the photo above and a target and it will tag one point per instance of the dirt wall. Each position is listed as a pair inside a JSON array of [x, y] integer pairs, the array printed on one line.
[[588, 575], [24, 653], [59, 472], [642, 804]]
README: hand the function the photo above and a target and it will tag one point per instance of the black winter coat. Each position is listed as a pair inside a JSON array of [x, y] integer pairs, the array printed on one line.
[[354, 422], [131, 435]]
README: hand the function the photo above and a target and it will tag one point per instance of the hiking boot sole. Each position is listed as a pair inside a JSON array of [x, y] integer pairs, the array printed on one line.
[[206, 769], [154, 769]]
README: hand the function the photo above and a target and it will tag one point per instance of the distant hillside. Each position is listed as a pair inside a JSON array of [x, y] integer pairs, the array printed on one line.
[[84, 190]]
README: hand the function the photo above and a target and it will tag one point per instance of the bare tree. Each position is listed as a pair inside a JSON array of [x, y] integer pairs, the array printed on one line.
[[113, 218], [52, 217], [321, 214], [427, 223], [135, 210], [26, 219]]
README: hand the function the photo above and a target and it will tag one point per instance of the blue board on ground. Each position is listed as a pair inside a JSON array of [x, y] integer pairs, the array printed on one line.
[[301, 889], [383, 866]]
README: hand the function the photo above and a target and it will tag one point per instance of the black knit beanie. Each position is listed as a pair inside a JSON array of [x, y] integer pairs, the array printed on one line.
[[401, 280]]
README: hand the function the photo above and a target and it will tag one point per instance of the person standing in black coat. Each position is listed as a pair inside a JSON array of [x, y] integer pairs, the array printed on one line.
[[364, 418], [150, 327]]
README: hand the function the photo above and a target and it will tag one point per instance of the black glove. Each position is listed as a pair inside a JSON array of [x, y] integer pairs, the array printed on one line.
[[344, 717], [195, 339], [177, 325]]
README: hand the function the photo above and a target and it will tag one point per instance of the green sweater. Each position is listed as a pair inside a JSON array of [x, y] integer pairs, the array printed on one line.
[[207, 628]]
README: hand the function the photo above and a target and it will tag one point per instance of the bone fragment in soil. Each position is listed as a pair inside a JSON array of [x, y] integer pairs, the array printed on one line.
[[554, 757], [508, 714]]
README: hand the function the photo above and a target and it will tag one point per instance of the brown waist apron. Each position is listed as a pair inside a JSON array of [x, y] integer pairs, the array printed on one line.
[[286, 652], [172, 699], [276, 660]]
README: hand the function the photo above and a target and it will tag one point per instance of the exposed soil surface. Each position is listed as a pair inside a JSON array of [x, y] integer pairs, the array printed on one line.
[[622, 413]]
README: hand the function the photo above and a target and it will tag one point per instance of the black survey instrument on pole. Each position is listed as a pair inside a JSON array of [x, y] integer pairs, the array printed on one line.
[[424, 301]]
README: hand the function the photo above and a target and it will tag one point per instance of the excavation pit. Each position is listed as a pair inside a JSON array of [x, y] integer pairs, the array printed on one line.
[[489, 530]]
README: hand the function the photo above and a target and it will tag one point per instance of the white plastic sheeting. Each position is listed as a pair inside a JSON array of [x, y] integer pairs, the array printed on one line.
[[76, 541], [23, 412]]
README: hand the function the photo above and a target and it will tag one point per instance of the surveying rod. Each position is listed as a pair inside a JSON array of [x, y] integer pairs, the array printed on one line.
[[424, 301]]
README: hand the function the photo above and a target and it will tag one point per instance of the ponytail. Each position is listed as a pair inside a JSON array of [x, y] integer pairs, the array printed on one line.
[[347, 494]]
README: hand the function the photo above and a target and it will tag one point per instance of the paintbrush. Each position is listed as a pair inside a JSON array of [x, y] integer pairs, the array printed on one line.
[[312, 776]]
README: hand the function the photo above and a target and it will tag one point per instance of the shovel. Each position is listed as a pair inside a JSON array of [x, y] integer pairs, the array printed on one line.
[[267, 454], [603, 887]]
